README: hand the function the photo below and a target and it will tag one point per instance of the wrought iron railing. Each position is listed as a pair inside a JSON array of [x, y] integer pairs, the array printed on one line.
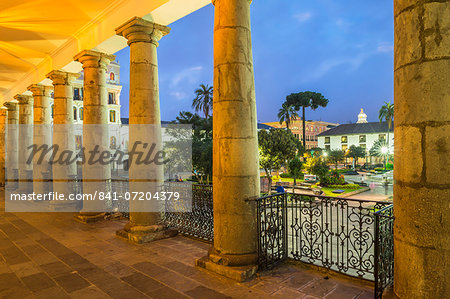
[[197, 222], [384, 249], [334, 233], [272, 237], [191, 218]]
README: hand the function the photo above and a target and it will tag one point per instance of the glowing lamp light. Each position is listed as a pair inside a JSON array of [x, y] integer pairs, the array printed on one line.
[[384, 150], [325, 154]]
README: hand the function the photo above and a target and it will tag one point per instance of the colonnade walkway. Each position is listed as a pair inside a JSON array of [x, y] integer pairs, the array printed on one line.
[[50, 255]]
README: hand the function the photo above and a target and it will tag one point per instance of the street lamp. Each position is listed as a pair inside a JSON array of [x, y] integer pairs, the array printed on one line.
[[384, 151], [325, 154]]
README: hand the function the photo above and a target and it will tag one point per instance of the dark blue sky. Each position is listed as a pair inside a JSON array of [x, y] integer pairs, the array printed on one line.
[[342, 49]]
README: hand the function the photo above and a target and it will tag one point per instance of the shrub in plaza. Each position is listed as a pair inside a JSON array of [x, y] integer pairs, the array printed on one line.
[[346, 186], [276, 146], [318, 167]]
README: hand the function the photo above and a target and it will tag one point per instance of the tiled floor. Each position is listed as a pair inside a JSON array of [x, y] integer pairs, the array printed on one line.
[[49, 255]]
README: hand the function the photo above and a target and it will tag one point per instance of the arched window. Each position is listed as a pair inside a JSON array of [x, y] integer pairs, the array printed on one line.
[[112, 76], [112, 144], [112, 116], [81, 113], [74, 113]]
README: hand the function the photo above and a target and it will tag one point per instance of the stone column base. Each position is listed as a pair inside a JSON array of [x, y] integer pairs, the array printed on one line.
[[144, 234], [238, 273], [86, 218]]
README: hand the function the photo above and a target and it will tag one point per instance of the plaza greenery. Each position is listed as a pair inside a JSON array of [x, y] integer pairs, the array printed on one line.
[[387, 113], [303, 100], [276, 147], [295, 168], [203, 100], [356, 152], [286, 114], [202, 144], [318, 167], [336, 156]]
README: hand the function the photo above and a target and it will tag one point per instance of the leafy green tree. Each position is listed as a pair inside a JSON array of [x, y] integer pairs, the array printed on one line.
[[203, 100], [295, 169], [306, 99], [318, 167], [276, 146], [387, 113], [202, 144], [336, 156], [286, 114], [356, 152]]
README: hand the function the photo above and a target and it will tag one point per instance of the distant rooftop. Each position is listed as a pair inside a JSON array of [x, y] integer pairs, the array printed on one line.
[[126, 121], [358, 128], [264, 127]]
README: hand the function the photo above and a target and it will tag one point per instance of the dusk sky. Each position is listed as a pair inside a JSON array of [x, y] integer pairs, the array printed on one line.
[[342, 49]]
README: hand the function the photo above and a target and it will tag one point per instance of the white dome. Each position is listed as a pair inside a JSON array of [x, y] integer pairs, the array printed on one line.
[[362, 117]]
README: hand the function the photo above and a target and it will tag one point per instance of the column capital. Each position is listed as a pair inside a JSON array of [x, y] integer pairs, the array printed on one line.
[[23, 99], [94, 59], [11, 105], [62, 78], [140, 30], [40, 89], [3, 111]]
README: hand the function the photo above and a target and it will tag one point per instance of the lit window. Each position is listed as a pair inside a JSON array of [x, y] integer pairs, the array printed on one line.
[[344, 139], [112, 116], [81, 113], [362, 138], [112, 76], [327, 139], [344, 147], [382, 136]]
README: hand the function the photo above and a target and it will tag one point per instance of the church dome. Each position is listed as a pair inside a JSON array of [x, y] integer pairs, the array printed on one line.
[[362, 117]]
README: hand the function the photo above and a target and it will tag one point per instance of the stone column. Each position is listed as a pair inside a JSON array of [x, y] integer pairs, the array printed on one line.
[[3, 135], [422, 146], [25, 141], [12, 142], [96, 177], [235, 144], [63, 136], [42, 135], [143, 37]]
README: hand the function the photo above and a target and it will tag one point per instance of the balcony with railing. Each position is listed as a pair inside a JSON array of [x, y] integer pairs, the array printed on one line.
[[339, 235]]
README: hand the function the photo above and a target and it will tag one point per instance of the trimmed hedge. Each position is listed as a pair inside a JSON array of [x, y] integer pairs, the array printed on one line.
[[287, 175], [347, 186]]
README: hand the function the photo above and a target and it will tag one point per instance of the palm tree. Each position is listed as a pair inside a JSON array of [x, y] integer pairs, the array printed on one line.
[[286, 114], [203, 99], [306, 99], [387, 113]]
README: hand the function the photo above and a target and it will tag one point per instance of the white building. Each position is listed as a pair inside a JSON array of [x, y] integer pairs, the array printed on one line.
[[362, 134], [114, 88]]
